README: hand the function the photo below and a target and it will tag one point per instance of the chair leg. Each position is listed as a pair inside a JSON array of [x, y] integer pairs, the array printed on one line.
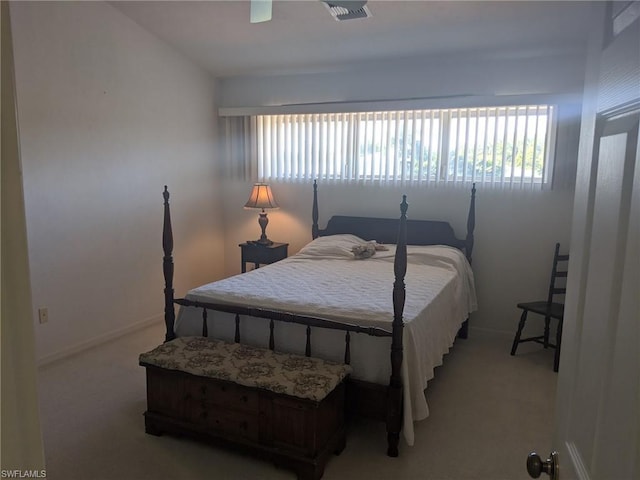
[[556, 358], [547, 321], [516, 339]]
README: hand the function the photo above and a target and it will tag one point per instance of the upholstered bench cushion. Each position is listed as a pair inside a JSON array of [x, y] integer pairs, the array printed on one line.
[[295, 375]]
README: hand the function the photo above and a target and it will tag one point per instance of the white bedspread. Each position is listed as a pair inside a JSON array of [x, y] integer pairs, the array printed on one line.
[[325, 280]]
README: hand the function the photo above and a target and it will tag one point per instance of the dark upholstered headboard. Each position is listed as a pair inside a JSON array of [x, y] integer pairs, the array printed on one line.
[[385, 230]]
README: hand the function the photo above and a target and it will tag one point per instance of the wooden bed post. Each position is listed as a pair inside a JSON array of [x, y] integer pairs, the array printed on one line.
[[394, 399], [468, 248], [471, 224], [167, 268], [314, 212]]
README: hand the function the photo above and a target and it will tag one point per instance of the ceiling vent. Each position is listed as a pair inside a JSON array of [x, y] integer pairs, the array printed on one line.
[[347, 9]]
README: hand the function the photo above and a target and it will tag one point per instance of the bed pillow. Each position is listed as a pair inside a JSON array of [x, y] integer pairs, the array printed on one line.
[[332, 246]]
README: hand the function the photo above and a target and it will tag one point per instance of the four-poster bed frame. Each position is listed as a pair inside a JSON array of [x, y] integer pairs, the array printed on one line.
[[364, 398]]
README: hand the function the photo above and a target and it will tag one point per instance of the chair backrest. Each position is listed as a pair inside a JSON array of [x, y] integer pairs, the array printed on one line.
[[558, 283]]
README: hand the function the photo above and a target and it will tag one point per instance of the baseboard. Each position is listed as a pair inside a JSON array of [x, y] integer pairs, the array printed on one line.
[[121, 332]]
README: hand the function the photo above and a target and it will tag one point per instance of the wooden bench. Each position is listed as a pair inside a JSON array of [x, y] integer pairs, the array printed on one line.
[[283, 407]]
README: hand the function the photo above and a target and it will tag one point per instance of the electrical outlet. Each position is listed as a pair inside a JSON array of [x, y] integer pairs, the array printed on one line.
[[43, 315]]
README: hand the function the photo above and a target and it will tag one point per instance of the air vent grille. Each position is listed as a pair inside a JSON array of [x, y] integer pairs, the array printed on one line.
[[343, 11]]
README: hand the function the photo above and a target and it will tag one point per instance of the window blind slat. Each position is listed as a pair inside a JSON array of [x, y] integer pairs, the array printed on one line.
[[345, 146], [286, 168], [314, 145], [405, 148], [466, 144], [351, 139], [549, 140], [544, 146], [336, 146], [423, 130], [395, 150], [376, 132], [430, 153], [514, 146], [484, 145], [474, 157], [524, 147], [387, 149], [308, 147], [323, 146], [443, 151], [412, 161], [274, 147], [266, 149], [457, 151], [298, 151], [504, 147], [365, 145], [534, 155]]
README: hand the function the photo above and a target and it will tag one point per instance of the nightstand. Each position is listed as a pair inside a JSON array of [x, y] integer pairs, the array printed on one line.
[[262, 254]]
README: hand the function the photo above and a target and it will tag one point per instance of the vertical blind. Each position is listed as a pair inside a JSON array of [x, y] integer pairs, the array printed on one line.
[[508, 146]]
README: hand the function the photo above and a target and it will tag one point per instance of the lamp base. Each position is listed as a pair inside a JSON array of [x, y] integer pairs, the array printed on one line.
[[263, 221]]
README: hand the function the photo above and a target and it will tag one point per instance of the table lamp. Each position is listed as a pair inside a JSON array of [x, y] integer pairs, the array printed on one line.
[[261, 197]]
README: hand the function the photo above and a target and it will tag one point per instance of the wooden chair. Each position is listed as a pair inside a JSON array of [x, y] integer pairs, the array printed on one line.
[[549, 308]]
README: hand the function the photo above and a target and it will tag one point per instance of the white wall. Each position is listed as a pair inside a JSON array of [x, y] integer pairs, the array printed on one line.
[[503, 73], [516, 232], [108, 114]]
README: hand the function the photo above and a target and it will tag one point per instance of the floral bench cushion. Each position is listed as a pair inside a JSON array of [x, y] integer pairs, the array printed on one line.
[[295, 375]]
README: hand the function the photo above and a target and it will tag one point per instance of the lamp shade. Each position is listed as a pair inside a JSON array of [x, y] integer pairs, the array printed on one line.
[[261, 197]]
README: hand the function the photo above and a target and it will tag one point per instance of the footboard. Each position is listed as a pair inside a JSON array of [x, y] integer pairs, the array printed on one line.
[[363, 398]]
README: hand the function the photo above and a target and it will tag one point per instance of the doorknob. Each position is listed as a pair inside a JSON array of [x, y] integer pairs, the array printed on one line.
[[536, 466]]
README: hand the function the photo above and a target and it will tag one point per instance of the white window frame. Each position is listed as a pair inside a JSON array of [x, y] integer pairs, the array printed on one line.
[[295, 147]]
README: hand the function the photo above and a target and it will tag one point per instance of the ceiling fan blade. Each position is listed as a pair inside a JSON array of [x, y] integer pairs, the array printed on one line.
[[260, 11]]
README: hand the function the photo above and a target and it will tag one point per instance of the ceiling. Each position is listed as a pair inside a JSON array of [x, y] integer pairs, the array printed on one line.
[[303, 36]]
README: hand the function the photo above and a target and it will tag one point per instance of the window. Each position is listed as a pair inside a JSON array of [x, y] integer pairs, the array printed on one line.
[[509, 146]]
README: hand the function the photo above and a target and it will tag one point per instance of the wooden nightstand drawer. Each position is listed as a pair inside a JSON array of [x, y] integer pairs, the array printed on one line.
[[262, 254]]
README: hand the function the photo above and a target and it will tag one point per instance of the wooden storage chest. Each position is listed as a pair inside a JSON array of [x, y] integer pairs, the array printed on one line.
[[296, 433]]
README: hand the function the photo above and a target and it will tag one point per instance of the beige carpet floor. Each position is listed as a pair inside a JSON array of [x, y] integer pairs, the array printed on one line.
[[488, 411]]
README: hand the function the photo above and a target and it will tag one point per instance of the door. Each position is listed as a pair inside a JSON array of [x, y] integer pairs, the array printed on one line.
[[597, 431]]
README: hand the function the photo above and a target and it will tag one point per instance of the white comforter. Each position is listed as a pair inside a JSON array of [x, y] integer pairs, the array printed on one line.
[[324, 279]]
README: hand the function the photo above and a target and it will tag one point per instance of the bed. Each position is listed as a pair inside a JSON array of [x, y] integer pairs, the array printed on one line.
[[325, 302]]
